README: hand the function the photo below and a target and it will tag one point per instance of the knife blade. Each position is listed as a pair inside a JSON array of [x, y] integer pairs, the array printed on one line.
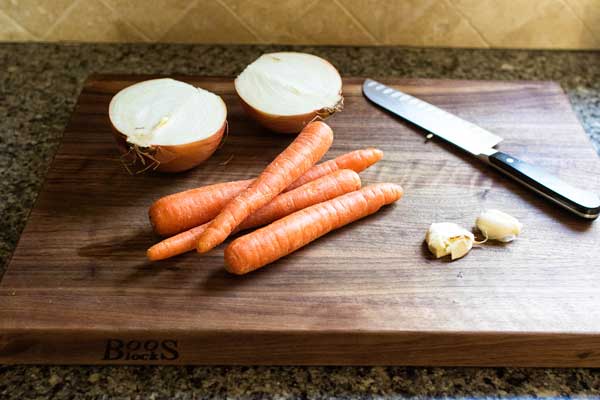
[[481, 143]]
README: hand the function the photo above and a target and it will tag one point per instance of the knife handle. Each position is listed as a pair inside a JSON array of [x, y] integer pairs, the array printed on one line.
[[583, 203]]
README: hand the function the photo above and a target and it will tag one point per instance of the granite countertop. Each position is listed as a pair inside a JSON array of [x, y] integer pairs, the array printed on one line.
[[39, 84]]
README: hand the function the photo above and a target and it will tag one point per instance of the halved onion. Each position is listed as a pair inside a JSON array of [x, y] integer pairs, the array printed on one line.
[[286, 91], [167, 125]]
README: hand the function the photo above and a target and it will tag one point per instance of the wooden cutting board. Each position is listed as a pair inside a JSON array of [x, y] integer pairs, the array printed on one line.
[[79, 289]]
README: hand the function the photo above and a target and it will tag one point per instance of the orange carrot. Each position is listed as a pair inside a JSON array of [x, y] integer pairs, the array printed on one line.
[[317, 191], [308, 147], [357, 161], [290, 233], [322, 189], [175, 245], [181, 211]]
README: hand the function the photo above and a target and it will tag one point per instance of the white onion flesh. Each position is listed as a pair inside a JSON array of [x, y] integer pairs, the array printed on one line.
[[287, 84], [166, 112]]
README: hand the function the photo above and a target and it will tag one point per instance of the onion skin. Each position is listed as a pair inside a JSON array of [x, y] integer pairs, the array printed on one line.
[[174, 158], [291, 124]]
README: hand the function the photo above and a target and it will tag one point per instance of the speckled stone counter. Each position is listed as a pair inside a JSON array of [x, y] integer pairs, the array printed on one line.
[[39, 84]]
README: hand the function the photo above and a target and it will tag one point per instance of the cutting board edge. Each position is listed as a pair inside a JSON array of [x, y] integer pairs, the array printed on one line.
[[274, 348]]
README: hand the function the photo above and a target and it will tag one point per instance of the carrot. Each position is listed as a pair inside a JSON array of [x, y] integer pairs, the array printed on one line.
[[290, 233], [308, 147], [175, 245], [181, 211], [319, 190], [357, 160], [322, 189]]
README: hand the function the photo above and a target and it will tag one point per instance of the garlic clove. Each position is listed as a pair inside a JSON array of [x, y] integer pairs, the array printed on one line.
[[497, 225], [449, 238], [460, 246]]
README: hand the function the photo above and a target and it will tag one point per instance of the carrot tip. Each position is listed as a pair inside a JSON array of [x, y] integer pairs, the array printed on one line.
[[150, 255]]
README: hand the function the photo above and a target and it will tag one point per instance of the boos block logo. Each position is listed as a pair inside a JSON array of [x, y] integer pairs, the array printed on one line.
[[140, 350]]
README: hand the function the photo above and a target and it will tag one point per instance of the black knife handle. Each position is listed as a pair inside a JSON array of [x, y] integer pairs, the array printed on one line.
[[583, 203]]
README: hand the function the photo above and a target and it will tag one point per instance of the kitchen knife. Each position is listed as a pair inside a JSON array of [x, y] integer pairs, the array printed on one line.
[[480, 143]]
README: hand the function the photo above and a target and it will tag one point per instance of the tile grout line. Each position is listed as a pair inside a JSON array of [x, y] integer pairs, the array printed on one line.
[[468, 20], [14, 21], [583, 23], [190, 5], [241, 21], [60, 18], [357, 22], [129, 24], [306, 10], [299, 16]]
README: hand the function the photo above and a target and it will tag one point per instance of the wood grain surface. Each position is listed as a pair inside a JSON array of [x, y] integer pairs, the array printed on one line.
[[79, 289]]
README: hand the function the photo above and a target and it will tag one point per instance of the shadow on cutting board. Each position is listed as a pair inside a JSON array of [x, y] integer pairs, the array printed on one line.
[[563, 216]]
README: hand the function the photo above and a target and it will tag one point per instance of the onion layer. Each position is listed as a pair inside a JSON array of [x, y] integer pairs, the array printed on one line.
[[285, 91], [167, 125]]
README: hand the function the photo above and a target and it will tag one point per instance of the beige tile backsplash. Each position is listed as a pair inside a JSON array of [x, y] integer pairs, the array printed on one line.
[[568, 24]]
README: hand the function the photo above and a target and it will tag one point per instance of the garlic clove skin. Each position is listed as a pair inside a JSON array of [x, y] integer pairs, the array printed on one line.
[[449, 238], [497, 225]]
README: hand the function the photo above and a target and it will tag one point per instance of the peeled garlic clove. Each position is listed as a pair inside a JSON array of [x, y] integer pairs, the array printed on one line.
[[496, 225], [448, 238]]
